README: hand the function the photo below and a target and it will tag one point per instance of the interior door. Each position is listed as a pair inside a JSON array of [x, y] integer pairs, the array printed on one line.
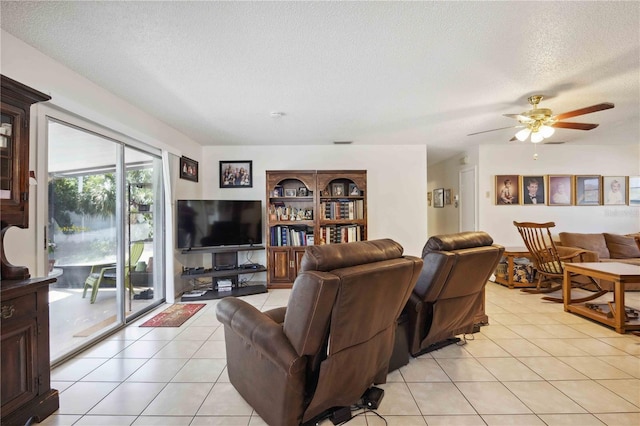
[[468, 202]]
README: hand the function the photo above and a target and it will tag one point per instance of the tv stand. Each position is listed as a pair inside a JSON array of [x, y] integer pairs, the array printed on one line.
[[225, 265]]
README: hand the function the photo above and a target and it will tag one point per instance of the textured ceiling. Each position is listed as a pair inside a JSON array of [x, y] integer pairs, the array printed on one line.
[[368, 72]]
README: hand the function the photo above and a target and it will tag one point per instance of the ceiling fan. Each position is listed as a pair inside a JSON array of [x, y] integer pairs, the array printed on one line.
[[540, 123]]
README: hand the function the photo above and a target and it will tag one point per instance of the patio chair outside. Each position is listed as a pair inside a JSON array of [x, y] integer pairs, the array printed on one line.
[[106, 273]]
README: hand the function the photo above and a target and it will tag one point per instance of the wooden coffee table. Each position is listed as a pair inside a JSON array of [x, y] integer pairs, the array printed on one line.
[[614, 313]]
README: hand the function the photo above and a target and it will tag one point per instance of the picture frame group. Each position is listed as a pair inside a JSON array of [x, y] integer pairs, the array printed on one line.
[[567, 190]]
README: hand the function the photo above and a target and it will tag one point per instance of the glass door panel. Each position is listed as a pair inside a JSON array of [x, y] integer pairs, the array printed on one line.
[[105, 235], [144, 231], [82, 236]]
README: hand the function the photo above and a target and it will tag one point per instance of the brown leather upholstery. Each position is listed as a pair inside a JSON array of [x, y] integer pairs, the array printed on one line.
[[332, 341], [450, 290]]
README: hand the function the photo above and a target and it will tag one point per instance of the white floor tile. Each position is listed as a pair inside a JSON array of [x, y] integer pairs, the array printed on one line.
[[83, 396], [397, 401], [130, 398], [224, 400], [594, 368], [179, 399], [550, 368], [163, 421], [508, 369], [467, 369], [200, 370], [423, 370], [533, 365], [158, 370], [440, 399], [221, 421], [542, 397], [628, 389], [483, 397], [512, 420], [594, 397]]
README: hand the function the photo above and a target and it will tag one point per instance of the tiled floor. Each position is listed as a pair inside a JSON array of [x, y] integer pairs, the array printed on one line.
[[534, 365]]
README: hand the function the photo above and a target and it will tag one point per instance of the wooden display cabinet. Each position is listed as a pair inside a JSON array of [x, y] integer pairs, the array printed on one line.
[[16, 99], [299, 214]]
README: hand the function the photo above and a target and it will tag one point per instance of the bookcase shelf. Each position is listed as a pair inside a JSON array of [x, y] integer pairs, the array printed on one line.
[[329, 206]]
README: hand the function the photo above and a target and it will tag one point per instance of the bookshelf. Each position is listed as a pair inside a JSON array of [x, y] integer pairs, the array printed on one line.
[[307, 207]]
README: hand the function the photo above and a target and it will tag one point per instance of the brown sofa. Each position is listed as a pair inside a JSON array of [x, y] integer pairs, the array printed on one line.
[[605, 247], [331, 342]]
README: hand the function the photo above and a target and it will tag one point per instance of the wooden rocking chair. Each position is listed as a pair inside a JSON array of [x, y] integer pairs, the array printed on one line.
[[549, 264]]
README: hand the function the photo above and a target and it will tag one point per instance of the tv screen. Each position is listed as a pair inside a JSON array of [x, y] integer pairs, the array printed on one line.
[[212, 223]]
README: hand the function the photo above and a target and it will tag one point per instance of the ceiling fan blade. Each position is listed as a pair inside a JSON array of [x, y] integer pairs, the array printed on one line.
[[587, 110], [575, 126], [493, 130]]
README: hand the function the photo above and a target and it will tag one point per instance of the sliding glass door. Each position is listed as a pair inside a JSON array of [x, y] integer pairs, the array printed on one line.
[[104, 234]]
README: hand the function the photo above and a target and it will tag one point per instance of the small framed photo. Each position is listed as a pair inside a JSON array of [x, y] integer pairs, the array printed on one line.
[[303, 191], [588, 190], [614, 190], [438, 197], [532, 190], [337, 189], [447, 196], [236, 174], [289, 192], [560, 190], [188, 169], [634, 190], [429, 198], [507, 190], [353, 189]]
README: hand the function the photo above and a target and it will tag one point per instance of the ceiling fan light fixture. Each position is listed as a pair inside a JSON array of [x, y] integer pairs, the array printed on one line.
[[547, 131], [523, 134], [537, 137]]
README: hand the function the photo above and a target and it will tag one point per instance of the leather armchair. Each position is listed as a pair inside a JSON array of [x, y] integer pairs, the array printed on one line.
[[332, 341], [449, 294]]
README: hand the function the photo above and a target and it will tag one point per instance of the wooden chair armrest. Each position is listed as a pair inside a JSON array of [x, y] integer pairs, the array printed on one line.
[[577, 254]]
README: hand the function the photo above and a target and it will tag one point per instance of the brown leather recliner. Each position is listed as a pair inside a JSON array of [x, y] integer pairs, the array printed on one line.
[[449, 294], [332, 341]]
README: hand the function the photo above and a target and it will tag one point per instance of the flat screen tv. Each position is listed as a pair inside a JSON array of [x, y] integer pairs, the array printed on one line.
[[214, 223]]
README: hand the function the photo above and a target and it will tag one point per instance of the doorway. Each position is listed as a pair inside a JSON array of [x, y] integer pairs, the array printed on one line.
[[468, 200], [104, 234]]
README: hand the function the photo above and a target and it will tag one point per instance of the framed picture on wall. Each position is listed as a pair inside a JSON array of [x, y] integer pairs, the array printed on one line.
[[438, 197], [560, 190], [615, 190], [506, 188], [634, 190], [532, 190], [236, 174], [447, 196], [188, 169], [588, 190]]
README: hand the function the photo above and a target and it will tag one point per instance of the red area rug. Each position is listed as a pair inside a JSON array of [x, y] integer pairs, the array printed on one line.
[[174, 315]]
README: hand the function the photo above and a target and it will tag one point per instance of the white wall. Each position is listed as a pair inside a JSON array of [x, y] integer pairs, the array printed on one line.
[[516, 159], [76, 94], [396, 181]]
